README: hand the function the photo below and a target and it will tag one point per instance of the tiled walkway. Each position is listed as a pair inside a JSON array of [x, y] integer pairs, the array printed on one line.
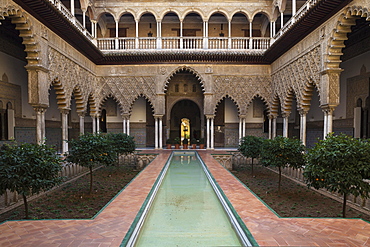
[[111, 225]]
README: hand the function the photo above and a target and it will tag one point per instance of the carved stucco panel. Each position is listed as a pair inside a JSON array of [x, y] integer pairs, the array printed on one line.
[[126, 89], [242, 90], [70, 74], [297, 75]]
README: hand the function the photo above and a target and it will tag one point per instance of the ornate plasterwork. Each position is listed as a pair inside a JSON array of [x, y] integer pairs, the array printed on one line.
[[184, 68], [336, 42], [298, 78], [26, 30], [242, 90], [126, 89], [68, 77]]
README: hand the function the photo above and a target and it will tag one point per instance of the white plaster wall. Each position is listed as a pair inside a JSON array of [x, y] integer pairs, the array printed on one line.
[[138, 114], [351, 68], [52, 113], [315, 113], [249, 115], [231, 112], [17, 74]]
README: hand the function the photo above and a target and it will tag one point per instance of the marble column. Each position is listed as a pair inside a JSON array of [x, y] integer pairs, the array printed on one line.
[[128, 125], [64, 113], [40, 124], [270, 127], [328, 120], [156, 132], [93, 124], [98, 124], [208, 134], [286, 124], [274, 127], [212, 133], [303, 128], [82, 122], [160, 133]]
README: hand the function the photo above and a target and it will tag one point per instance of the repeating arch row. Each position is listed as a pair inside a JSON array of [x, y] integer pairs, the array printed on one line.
[[182, 13]]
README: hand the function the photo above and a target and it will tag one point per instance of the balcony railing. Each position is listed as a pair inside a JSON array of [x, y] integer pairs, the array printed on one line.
[[151, 43], [187, 43]]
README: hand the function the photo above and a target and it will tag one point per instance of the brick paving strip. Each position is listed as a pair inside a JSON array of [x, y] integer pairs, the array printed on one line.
[[111, 225]]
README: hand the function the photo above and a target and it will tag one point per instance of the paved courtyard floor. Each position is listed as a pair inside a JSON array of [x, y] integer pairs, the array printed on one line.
[[111, 225]]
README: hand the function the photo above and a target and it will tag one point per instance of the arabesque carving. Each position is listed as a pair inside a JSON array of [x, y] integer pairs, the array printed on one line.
[[336, 42], [67, 77], [126, 89], [242, 90], [24, 25], [297, 78]]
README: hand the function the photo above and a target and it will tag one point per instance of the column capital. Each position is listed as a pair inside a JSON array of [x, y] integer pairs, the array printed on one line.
[[64, 110], [210, 116], [159, 116], [40, 108], [81, 114], [125, 115], [242, 116], [272, 116], [303, 111], [328, 108]]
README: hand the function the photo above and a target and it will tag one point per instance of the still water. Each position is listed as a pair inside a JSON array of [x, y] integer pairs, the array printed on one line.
[[186, 210]]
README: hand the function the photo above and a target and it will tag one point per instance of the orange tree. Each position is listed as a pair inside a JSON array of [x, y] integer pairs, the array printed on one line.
[[90, 150], [282, 152], [340, 164], [250, 147], [121, 144], [28, 169]]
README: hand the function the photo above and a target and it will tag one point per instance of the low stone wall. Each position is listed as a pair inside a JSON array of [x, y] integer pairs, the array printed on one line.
[[9, 199], [69, 170], [358, 203]]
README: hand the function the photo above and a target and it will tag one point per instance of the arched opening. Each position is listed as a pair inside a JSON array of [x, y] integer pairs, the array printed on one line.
[[240, 27], [315, 120], [257, 122], [352, 115], [142, 125], [184, 99], [185, 127], [106, 26], [170, 29], [103, 121], [218, 25], [185, 113], [147, 26], [110, 119], [218, 31], [53, 122], [192, 25], [260, 26], [226, 124]]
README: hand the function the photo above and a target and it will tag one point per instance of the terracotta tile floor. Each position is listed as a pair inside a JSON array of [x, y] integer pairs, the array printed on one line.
[[111, 225]]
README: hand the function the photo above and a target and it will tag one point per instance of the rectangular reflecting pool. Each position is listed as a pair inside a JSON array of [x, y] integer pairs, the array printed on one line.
[[185, 210]]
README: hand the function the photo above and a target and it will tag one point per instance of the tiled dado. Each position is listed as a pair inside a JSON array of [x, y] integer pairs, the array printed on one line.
[[110, 226]]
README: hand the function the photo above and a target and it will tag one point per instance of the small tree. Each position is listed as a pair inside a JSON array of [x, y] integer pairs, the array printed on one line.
[[250, 147], [340, 164], [121, 144], [28, 169], [90, 150], [283, 152]]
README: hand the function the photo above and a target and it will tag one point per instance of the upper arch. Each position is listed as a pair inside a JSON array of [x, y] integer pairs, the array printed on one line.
[[339, 34], [183, 68]]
